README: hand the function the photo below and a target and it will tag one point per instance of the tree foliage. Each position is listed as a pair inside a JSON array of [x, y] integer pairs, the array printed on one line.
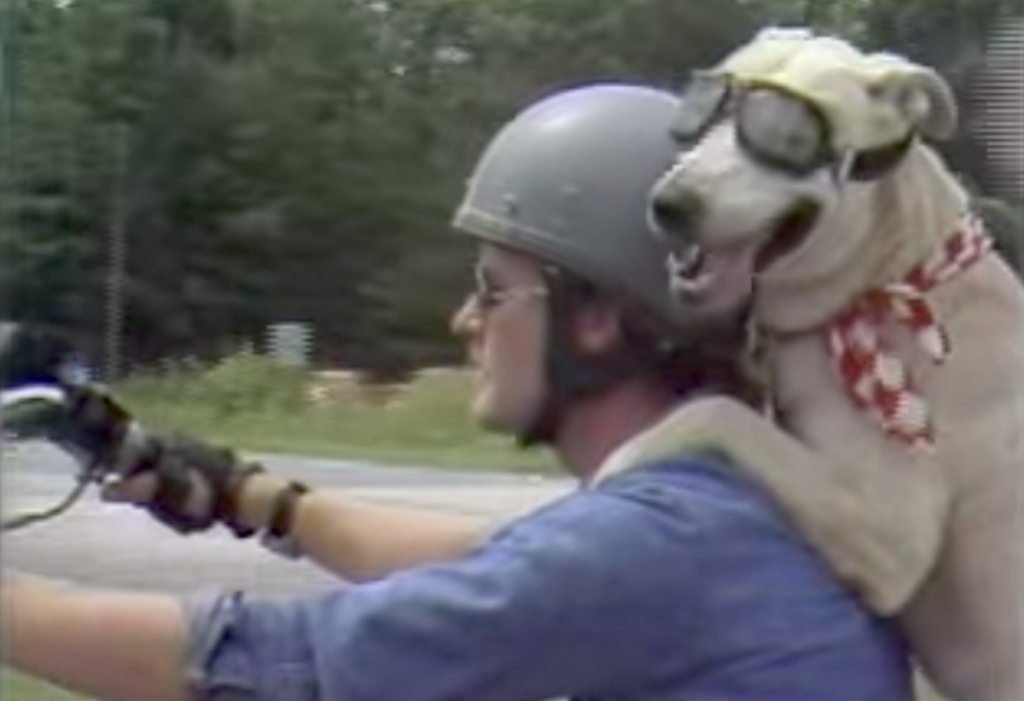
[[299, 161]]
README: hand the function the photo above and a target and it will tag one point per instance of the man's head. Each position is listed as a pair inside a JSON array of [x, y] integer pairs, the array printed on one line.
[[572, 294]]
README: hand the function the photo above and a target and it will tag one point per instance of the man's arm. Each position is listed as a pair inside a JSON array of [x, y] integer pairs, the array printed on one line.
[[360, 540], [116, 646], [357, 540], [570, 601], [525, 616]]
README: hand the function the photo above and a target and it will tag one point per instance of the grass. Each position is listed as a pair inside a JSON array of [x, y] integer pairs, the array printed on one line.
[[17, 687], [251, 404]]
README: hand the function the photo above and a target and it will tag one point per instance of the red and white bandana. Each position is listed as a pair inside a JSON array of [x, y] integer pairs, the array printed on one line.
[[878, 381]]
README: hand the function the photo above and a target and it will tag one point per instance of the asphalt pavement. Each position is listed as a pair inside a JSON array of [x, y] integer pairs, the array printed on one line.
[[118, 545]]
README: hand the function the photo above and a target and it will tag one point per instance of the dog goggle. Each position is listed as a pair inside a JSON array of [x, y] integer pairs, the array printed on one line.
[[777, 128]]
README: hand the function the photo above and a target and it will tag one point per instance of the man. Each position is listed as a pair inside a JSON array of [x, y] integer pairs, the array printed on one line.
[[673, 580]]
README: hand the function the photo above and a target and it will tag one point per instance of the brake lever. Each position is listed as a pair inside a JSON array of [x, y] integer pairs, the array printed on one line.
[[83, 420], [45, 394]]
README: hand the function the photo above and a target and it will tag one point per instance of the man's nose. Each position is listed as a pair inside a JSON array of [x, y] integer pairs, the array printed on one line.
[[465, 321], [676, 209]]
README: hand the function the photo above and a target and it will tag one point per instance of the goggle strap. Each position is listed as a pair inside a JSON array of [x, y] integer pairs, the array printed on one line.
[[873, 163], [845, 166]]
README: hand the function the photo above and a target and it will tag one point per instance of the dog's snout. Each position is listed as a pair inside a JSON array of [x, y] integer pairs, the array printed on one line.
[[675, 210]]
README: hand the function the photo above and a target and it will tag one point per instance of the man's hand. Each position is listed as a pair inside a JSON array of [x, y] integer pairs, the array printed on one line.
[[186, 484]]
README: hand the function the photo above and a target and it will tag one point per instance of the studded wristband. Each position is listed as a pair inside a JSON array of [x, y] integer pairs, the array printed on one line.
[[277, 537]]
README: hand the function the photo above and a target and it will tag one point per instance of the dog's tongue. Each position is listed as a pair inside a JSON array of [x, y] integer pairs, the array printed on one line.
[[715, 279]]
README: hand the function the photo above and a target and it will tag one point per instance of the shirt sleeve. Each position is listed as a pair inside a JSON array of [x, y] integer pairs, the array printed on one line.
[[566, 602]]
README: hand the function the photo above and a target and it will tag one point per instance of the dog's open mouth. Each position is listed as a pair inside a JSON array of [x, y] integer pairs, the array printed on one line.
[[789, 233], [692, 269], [698, 271]]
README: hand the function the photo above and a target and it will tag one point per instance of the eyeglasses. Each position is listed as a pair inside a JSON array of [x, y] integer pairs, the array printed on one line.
[[487, 295]]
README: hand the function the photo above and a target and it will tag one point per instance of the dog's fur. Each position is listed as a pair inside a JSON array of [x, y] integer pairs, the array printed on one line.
[[936, 537]]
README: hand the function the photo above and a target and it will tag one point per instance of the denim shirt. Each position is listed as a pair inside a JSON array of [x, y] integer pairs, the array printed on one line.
[[674, 582]]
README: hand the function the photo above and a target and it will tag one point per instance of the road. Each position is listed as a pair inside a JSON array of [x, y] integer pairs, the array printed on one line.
[[116, 545]]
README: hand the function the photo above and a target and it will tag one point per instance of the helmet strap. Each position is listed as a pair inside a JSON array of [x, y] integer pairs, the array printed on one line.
[[570, 375], [710, 363]]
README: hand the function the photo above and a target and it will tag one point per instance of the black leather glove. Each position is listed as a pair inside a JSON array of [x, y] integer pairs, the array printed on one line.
[[186, 484]]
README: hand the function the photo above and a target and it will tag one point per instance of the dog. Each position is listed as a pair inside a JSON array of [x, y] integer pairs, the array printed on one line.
[[891, 338]]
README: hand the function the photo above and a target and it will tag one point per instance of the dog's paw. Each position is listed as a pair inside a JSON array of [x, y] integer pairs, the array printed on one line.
[[704, 424], [714, 421]]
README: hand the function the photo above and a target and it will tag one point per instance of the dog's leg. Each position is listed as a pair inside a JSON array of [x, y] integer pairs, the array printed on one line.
[[880, 533]]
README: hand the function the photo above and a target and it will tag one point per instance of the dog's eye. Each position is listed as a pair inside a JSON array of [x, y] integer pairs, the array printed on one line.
[[781, 128]]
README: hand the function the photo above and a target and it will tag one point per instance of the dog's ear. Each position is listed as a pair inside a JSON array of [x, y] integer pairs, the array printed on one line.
[[920, 94]]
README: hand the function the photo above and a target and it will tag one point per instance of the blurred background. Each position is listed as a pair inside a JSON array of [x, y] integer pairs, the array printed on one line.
[[182, 177], [239, 210]]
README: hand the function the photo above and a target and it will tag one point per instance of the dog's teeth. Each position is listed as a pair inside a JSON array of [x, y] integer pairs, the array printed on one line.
[[687, 263], [695, 258]]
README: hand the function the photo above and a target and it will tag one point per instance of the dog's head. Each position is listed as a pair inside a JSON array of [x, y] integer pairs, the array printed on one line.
[[784, 135]]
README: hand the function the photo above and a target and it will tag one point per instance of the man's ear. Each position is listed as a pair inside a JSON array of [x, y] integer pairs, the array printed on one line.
[[920, 94], [598, 326]]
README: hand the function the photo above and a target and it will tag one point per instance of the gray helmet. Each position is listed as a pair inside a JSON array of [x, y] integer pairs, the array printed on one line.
[[568, 181]]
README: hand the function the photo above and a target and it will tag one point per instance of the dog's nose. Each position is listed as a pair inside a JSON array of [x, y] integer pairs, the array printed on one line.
[[675, 210]]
